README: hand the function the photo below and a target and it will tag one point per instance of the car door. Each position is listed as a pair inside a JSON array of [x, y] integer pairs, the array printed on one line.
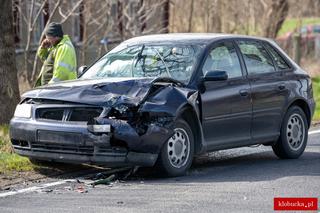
[[226, 105], [268, 90]]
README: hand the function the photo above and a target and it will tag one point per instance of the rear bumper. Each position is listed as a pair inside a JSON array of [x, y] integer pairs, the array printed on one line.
[[72, 142]]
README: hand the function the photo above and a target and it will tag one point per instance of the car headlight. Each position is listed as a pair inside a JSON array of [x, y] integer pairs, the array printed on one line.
[[23, 111]]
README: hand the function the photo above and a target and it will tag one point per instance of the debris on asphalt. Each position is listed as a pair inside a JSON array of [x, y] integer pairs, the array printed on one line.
[[79, 181], [113, 176], [131, 172], [105, 181], [47, 190], [103, 175], [44, 190], [99, 176], [68, 188], [108, 178], [7, 188], [81, 189]]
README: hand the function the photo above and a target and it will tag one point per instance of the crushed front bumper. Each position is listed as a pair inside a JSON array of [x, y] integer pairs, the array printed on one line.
[[72, 142]]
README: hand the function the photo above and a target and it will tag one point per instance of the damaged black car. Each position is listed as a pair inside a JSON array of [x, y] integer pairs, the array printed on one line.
[[162, 99]]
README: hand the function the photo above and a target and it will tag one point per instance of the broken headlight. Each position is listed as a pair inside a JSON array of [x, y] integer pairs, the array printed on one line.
[[121, 108]]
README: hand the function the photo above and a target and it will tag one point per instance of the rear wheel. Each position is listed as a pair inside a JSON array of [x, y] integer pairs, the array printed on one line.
[[294, 134], [176, 154]]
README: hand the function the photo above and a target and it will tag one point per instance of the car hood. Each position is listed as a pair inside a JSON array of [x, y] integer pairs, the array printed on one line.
[[102, 92]]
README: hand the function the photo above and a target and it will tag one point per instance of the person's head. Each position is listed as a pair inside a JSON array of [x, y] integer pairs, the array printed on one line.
[[54, 33]]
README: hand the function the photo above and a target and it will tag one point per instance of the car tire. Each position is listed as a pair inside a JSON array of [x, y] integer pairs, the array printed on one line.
[[176, 154], [293, 134]]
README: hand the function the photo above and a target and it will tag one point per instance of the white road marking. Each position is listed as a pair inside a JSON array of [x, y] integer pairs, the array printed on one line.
[[314, 132], [35, 188]]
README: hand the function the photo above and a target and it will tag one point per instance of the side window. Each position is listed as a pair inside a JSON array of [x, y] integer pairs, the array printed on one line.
[[223, 57], [280, 62], [256, 57]]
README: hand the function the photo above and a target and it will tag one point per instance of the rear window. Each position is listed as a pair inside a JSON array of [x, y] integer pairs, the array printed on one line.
[[280, 62], [256, 57]]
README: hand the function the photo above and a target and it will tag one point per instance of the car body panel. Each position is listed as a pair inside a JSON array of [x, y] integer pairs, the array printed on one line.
[[225, 110]]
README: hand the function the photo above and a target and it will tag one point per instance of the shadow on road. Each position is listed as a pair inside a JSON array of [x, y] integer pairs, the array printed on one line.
[[238, 165], [262, 166]]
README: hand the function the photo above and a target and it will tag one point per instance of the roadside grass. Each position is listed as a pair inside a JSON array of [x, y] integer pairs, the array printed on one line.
[[9, 161], [289, 25], [316, 95]]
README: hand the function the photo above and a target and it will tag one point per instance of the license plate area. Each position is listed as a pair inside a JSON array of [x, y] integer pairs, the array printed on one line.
[[58, 137]]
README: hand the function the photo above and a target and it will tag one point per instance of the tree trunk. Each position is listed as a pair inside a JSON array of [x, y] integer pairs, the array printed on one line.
[[216, 24], [166, 16], [9, 90], [275, 17], [191, 16]]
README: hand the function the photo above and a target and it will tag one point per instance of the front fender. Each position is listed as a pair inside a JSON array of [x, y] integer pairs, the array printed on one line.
[[176, 102], [170, 100]]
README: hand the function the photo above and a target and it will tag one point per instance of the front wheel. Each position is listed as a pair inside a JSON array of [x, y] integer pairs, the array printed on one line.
[[176, 154], [294, 134]]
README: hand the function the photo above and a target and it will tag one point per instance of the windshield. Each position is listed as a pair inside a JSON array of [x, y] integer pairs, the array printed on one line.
[[173, 61]]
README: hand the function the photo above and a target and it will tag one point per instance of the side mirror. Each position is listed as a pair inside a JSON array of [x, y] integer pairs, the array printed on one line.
[[215, 75], [81, 70]]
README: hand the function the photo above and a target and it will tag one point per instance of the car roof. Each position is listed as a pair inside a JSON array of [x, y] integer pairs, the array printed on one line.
[[204, 38]]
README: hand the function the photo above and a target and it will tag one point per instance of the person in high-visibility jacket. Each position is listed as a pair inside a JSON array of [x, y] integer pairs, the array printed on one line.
[[58, 56]]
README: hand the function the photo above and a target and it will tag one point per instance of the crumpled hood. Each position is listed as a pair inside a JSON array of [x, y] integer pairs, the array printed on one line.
[[102, 92]]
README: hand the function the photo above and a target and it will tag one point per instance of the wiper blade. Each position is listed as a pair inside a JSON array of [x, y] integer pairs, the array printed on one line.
[[138, 56]]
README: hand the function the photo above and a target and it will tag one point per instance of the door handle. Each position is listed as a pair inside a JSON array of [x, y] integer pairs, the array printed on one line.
[[244, 92], [281, 86]]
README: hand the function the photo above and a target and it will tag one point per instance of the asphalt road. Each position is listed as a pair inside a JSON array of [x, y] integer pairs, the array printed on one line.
[[238, 180]]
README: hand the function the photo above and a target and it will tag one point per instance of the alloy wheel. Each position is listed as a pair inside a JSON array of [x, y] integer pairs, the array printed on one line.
[[295, 131], [179, 148]]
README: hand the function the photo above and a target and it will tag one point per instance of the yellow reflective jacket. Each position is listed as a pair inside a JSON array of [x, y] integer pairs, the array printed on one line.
[[59, 62]]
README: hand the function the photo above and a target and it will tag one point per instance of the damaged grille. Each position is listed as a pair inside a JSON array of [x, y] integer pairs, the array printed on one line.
[[69, 113], [51, 114], [63, 148], [67, 148]]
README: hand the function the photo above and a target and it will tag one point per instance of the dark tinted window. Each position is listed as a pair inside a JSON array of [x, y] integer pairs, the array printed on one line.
[[223, 57], [256, 57], [280, 62]]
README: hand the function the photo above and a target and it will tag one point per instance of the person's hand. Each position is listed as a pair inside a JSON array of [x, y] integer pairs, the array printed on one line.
[[45, 43]]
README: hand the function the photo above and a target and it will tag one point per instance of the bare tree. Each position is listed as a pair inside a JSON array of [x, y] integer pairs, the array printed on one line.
[[232, 16], [97, 24], [166, 16], [276, 14], [138, 17], [9, 90], [30, 19], [191, 15]]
